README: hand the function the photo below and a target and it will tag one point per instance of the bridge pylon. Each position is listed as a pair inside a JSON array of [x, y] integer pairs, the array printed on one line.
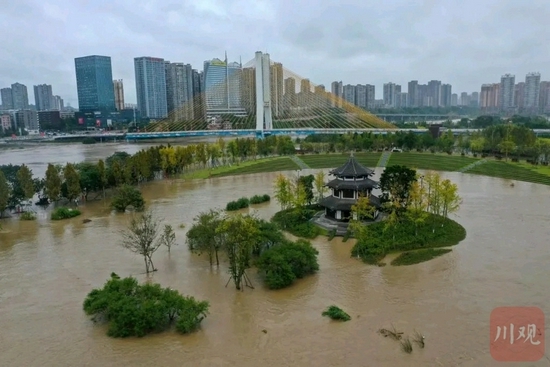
[[264, 118]]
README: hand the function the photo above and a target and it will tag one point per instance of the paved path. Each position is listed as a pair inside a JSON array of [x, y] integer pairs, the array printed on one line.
[[472, 165], [384, 158], [300, 162]]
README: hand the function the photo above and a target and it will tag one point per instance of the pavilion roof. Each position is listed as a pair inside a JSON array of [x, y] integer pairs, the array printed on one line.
[[352, 168], [339, 184]]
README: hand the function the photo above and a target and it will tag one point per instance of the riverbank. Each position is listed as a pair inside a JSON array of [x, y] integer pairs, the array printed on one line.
[[426, 161]]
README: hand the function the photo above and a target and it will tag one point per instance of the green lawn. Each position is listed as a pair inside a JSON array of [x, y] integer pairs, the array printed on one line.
[[269, 165], [324, 160], [513, 171], [431, 161]]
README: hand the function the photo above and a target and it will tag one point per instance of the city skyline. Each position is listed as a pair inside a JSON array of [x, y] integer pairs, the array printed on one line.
[[358, 44]]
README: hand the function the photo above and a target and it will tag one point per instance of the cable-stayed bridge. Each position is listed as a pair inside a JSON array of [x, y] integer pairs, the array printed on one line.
[[260, 97]]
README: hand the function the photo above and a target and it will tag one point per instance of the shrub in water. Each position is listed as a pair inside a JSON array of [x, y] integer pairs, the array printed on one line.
[[237, 205], [336, 313], [258, 199], [27, 216], [284, 263], [126, 196], [64, 213], [132, 309]]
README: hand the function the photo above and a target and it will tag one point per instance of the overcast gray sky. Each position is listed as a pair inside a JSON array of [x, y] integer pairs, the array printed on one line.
[[465, 43]]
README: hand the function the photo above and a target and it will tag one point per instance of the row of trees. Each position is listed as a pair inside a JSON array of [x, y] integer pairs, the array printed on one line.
[[70, 182], [499, 139]]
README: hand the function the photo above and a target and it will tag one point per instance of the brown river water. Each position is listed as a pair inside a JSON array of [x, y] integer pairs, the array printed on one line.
[[47, 268]]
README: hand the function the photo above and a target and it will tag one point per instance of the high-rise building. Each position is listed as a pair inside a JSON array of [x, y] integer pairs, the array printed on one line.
[[179, 91], [464, 99], [507, 89], [58, 103], [519, 95], [544, 97], [402, 100], [489, 98], [20, 96], [434, 91], [277, 88], [532, 92], [7, 98], [290, 93], [413, 93], [118, 87], [370, 96], [248, 90], [391, 90], [361, 95], [349, 93], [151, 87], [222, 82], [474, 99], [43, 97], [337, 90], [94, 83], [27, 119], [454, 99], [198, 94], [5, 122], [446, 92]]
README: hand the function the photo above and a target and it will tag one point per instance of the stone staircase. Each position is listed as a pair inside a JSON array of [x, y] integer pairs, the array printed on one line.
[[384, 158], [300, 162], [472, 165]]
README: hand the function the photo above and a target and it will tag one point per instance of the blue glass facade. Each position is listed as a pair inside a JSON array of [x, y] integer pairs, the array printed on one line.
[[94, 83]]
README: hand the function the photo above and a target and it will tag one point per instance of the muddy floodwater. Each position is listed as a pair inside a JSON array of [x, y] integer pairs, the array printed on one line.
[[47, 268]]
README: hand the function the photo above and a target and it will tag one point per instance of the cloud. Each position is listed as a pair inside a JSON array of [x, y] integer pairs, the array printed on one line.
[[464, 43]]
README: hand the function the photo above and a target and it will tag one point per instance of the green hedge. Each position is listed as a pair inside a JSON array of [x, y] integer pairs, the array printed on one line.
[[284, 263], [64, 213], [416, 257], [298, 222], [27, 216], [258, 199], [237, 205]]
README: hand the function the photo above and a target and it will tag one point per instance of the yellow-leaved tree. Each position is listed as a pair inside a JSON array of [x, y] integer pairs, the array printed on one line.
[[418, 203], [283, 191], [450, 200], [320, 187]]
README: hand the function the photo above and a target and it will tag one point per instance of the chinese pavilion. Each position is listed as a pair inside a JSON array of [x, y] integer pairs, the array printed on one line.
[[351, 181]]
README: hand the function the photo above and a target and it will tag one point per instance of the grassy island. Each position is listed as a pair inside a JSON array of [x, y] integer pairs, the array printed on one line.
[[417, 209], [435, 231]]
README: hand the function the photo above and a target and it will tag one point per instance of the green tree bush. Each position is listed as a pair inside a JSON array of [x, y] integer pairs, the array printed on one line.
[[284, 263], [64, 213], [126, 196], [237, 205], [132, 309], [258, 199], [336, 313]]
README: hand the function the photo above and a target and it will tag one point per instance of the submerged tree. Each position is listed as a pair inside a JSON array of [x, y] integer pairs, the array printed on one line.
[[52, 183], [203, 236], [283, 191], [141, 238], [5, 192], [25, 183], [168, 237], [240, 237], [72, 180]]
